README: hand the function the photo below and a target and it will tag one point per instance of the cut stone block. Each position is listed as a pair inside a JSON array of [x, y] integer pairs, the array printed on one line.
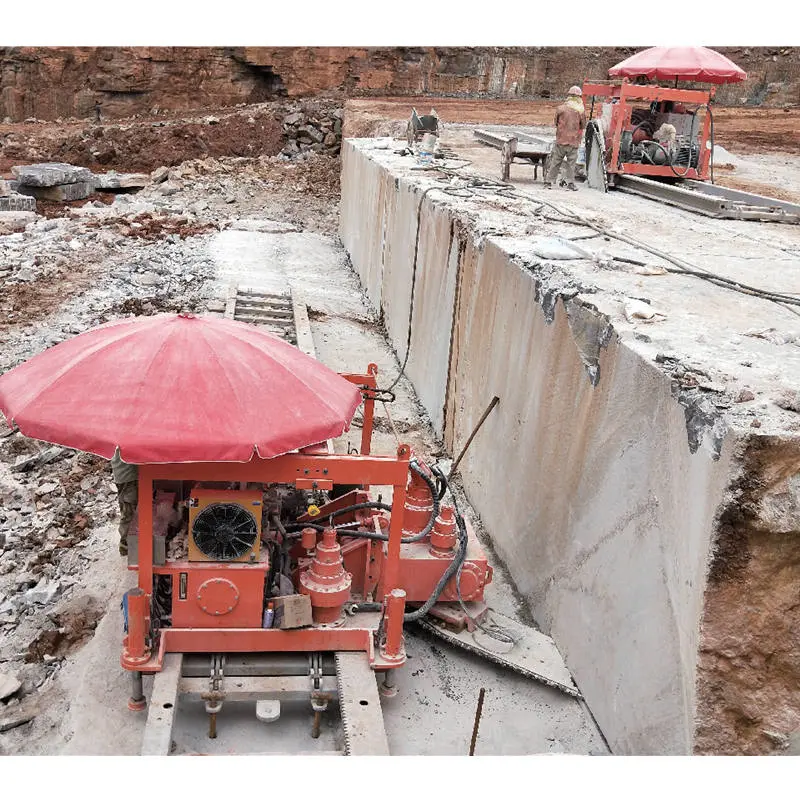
[[51, 174], [115, 180], [17, 202], [63, 193]]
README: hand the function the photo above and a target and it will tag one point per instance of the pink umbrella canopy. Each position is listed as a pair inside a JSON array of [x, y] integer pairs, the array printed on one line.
[[178, 388], [700, 64]]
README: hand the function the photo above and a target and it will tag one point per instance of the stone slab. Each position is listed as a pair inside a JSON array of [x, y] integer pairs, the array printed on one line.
[[17, 202], [51, 174], [63, 193], [109, 181]]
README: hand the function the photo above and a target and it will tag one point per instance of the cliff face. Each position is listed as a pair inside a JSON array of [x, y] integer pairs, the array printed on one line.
[[53, 82]]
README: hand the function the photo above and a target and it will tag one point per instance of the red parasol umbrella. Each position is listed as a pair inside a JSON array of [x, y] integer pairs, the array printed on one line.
[[699, 64], [177, 388]]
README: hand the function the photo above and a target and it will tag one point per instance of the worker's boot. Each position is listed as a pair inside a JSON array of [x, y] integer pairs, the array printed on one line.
[[572, 187], [548, 185]]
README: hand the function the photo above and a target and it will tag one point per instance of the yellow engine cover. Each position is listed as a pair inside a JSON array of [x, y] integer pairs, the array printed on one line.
[[220, 519]]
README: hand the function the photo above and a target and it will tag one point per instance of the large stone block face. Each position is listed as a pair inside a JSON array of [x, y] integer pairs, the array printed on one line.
[[664, 566]]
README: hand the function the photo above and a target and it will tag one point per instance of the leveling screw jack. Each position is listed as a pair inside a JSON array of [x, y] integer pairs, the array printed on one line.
[[387, 687], [136, 702]]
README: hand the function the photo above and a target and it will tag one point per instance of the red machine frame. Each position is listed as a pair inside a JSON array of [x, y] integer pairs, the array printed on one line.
[[626, 93], [313, 467]]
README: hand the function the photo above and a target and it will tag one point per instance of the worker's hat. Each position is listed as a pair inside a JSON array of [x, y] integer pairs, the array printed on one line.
[[576, 90]]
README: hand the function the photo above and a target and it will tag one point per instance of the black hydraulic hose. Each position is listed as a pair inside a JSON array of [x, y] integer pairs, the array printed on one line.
[[358, 507], [296, 531], [441, 486], [662, 149], [381, 537], [452, 568], [382, 506]]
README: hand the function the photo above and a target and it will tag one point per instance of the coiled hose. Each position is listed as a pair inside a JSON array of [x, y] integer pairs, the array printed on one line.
[[455, 568]]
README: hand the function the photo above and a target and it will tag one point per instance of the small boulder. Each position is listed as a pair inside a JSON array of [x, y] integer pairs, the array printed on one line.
[[159, 175], [43, 593], [9, 684]]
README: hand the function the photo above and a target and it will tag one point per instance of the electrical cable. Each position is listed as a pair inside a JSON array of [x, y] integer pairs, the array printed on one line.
[[413, 284], [684, 267], [493, 630], [391, 422]]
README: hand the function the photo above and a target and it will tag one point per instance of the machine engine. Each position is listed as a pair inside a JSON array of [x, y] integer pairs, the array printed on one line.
[[241, 549], [647, 131]]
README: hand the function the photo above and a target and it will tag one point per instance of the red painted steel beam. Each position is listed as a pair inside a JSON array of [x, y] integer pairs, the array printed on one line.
[[357, 469]]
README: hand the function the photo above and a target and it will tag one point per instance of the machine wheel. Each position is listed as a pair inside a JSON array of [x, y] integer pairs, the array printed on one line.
[[596, 175]]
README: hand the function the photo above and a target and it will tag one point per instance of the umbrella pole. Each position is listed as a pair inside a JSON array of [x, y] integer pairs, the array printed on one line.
[[145, 512]]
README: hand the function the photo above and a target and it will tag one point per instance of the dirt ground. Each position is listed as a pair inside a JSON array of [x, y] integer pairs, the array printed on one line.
[[741, 130], [144, 143], [140, 145]]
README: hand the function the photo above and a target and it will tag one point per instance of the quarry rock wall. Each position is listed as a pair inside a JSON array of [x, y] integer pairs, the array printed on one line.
[[631, 549], [65, 82]]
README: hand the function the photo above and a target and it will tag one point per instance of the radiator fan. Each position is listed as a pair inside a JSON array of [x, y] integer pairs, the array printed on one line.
[[223, 527]]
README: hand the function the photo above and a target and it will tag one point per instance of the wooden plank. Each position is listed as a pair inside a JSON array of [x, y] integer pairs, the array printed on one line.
[[264, 307], [230, 303], [360, 705], [281, 299], [302, 330], [157, 738], [263, 320], [302, 326]]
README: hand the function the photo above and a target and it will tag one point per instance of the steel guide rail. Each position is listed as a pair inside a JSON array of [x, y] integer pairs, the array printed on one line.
[[712, 200]]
